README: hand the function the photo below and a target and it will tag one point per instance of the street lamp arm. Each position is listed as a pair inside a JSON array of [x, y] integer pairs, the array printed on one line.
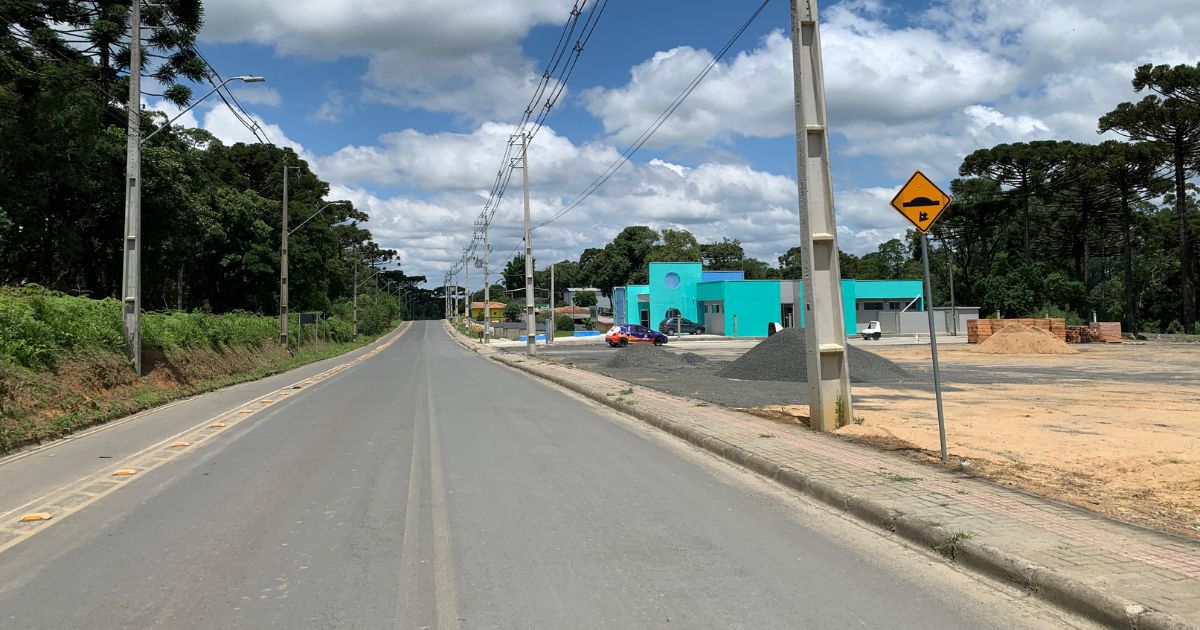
[[313, 215], [367, 279], [246, 79]]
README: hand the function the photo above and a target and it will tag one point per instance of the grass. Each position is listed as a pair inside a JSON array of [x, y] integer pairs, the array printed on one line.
[[63, 364], [949, 547]]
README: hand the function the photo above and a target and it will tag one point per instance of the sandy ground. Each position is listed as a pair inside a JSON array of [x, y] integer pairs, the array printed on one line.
[[1115, 428]]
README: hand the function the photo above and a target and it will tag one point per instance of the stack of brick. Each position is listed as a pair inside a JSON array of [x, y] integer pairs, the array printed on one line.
[[1106, 332], [978, 330]]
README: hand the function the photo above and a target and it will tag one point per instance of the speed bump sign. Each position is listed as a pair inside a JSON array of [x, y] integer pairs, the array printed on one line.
[[921, 201]]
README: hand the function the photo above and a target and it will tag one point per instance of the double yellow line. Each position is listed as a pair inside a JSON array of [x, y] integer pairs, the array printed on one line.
[[40, 514]]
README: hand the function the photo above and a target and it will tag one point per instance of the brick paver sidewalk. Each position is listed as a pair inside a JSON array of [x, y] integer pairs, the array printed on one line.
[[1114, 572]]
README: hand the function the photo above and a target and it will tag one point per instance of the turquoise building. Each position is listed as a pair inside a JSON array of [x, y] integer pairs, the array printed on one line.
[[725, 303]]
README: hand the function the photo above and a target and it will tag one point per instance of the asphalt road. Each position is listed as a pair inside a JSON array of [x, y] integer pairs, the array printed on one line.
[[429, 487]]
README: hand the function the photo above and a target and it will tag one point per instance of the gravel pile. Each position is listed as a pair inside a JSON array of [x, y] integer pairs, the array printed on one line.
[[691, 358], [783, 357], [646, 357]]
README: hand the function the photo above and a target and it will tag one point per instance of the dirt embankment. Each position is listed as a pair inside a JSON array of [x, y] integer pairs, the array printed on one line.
[[90, 388]]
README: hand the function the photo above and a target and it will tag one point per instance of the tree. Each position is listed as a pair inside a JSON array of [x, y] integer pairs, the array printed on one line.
[[512, 312], [585, 299], [514, 273], [675, 246], [1131, 171], [791, 264], [1174, 125], [756, 269], [724, 255]]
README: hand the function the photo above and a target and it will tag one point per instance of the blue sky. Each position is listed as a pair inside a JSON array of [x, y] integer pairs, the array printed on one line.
[[404, 105]]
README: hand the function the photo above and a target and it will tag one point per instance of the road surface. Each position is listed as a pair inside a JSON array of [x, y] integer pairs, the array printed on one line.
[[428, 487]]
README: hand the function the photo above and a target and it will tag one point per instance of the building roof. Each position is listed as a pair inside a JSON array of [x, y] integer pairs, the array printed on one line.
[[572, 310], [493, 305]]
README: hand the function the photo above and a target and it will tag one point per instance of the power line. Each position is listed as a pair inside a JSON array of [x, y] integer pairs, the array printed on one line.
[[645, 136]]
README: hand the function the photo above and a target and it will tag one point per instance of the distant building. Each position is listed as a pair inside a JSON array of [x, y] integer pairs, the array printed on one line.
[[496, 308], [725, 303], [604, 303]]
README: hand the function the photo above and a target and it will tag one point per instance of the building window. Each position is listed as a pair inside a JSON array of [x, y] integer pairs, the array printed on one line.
[[872, 306], [671, 280], [895, 306], [716, 308]]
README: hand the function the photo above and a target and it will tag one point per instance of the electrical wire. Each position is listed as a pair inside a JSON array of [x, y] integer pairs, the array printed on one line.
[[645, 136]]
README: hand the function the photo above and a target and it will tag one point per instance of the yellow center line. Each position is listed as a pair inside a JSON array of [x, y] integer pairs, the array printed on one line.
[[54, 507]]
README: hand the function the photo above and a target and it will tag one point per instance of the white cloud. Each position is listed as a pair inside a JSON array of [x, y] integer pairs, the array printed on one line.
[[332, 110], [459, 56], [258, 95], [450, 175]]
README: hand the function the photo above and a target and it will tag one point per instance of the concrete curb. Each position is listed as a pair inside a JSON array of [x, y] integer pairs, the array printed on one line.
[[1061, 590]]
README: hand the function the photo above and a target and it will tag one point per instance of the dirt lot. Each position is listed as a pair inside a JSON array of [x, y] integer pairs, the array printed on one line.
[[1114, 428]]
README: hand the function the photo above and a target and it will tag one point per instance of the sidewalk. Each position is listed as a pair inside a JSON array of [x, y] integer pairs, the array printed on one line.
[[1115, 573]]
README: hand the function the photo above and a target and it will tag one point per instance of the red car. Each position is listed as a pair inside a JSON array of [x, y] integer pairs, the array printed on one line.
[[625, 334]]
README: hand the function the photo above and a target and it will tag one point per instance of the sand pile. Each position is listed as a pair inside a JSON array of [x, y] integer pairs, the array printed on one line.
[[1021, 339], [782, 357]]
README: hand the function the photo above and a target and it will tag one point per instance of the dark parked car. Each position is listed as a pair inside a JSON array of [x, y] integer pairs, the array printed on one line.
[[671, 325]]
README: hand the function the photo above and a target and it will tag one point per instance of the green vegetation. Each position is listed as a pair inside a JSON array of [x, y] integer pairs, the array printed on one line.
[[63, 367], [564, 323]]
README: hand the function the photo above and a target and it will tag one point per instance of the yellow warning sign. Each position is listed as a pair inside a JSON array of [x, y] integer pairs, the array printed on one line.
[[921, 201]]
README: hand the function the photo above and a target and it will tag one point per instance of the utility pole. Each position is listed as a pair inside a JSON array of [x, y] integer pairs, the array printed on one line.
[[131, 264], [356, 300], [467, 281], [283, 262], [552, 323], [530, 308], [829, 402], [487, 287]]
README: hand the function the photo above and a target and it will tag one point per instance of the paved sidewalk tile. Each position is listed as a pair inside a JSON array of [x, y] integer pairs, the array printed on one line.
[[1155, 569]]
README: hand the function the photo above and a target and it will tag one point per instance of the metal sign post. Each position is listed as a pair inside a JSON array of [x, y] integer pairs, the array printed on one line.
[[922, 202]]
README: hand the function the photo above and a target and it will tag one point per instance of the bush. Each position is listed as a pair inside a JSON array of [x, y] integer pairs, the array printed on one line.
[[512, 312], [1057, 312], [585, 299], [1174, 328], [565, 323]]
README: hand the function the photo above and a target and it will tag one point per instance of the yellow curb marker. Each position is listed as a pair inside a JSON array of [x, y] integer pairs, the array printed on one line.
[[266, 401], [124, 472], [217, 425], [36, 516], [181, 444], [246, 411]]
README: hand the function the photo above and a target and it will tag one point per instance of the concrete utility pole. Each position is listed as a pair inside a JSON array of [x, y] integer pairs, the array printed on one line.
[[356, 300], [467, 281], [283, 263], [131, 264], [530, 308], [552, 323], [829, 402], [487, 287]]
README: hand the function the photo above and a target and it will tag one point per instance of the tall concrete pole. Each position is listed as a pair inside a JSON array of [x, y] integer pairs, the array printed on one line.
[[131, 264], [829, 402], [552, 323], [356, 300], [487, 286], [283, 263], [467, 281], [530, 308]]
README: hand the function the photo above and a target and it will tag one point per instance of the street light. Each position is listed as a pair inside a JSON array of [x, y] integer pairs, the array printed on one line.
[[131, 238], [284, 279], [244, 79]]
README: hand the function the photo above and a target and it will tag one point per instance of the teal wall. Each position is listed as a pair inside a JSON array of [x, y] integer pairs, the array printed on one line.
[[854, 290], [631, 302], [682, 297], [754, 303]]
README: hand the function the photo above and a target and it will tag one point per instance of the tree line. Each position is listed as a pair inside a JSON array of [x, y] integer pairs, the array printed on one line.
[[211, 212], [1054, 227]]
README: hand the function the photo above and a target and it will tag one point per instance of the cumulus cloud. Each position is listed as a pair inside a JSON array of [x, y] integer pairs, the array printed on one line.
[[258, 95], [458, 56], [452, 173], [332, 110], [970, 72]]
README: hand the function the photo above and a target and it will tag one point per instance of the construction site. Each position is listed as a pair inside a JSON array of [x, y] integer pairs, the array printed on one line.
[[1107, 424]]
